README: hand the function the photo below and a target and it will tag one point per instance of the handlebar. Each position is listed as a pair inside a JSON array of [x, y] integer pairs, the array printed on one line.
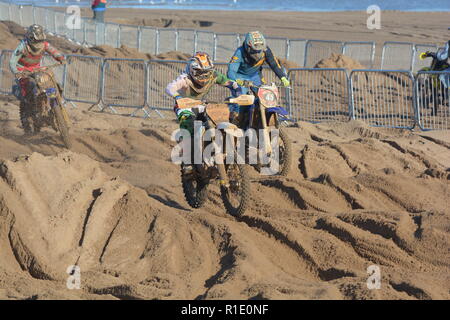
[[41, 68]]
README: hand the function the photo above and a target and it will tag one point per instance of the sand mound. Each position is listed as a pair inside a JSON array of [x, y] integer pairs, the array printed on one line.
[[339, 61], [357, 196]]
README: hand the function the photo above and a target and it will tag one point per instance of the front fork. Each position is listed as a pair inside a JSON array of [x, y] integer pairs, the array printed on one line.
[[267, 144]]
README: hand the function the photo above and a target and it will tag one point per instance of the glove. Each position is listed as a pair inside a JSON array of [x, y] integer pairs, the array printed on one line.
[[186, 120], [285, 82], [240, 82], [430, 54], [423, 55], [236, 85], [19, 75], [64, 61]]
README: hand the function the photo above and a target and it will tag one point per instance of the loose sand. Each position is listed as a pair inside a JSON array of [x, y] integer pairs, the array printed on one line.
[[357, 196], [113, 205]]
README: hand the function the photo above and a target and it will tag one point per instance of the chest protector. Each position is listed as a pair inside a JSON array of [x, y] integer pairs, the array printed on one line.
[[196, 92], [32, 54]]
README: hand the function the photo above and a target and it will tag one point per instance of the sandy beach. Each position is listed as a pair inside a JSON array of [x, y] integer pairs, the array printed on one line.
[[356, 196], [418, 27]]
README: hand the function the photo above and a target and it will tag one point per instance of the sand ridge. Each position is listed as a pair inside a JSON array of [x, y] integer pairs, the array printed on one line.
[[114, 206]]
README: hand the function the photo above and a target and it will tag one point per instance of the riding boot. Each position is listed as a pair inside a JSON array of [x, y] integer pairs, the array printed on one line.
[[25, 117]]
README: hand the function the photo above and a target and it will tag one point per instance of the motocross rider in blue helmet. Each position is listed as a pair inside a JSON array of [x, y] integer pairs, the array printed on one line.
[[247, 63]]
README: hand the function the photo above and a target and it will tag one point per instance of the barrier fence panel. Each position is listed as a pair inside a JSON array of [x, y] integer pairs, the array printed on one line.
[[317, 50], [363, 52], [186, 41], [40, 16], [296, 51], [226, 45], [4, 11], [100, 34], [397, 56], [318, 95], [278, 46], [83, 79], [51, 21], [383, 98], [418, 49], [48, 60], [27, 16], [15, 14], [91, 32], [124, 83], [129, 36], [160, 74], [60, 24], [78, 34], [167, 40], [204, 41], [112, 34], [148, 40], [6, 76], [433, 100]]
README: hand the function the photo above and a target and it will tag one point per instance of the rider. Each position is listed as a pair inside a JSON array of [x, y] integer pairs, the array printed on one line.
[[443, 58], [27, 58], [247, 62], [195, 83]]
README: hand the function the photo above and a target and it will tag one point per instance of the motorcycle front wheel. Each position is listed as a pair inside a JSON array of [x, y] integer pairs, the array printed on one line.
[[236, 197], [62, 124]]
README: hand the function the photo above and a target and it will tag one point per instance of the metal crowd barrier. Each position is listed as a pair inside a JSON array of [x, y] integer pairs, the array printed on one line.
[[305, 53], [279, 46], [225, 45], [149, 40], [297, 51], [124, 84], [397, 56], [433, 100], [160, 74], [363, 51], [186, 40], [83, 79], [6, 77], [387, 98], [317, 50], [383, 98], [319, 95]]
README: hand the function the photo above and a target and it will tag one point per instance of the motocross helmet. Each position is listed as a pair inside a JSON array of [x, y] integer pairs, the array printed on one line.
[[35, 34], [200, 68], [255, 45]]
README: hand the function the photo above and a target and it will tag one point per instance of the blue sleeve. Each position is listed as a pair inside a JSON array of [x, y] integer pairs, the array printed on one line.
[[443, 55], [234, 65]]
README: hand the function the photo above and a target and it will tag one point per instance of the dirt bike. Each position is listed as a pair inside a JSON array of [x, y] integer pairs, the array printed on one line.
[[267, 114], [431, 90], [45, 105], [233, 178]]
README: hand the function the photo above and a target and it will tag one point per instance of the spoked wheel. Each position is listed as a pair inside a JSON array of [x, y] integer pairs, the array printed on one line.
[[236, 197], [284, 157], [63, 125], [194, 189]]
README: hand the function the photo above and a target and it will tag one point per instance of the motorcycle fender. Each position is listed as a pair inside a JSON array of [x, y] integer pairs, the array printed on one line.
[[230, 129], [278, 110]]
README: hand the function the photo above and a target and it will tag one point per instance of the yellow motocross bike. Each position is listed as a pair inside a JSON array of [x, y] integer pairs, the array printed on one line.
[[43, 104]]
